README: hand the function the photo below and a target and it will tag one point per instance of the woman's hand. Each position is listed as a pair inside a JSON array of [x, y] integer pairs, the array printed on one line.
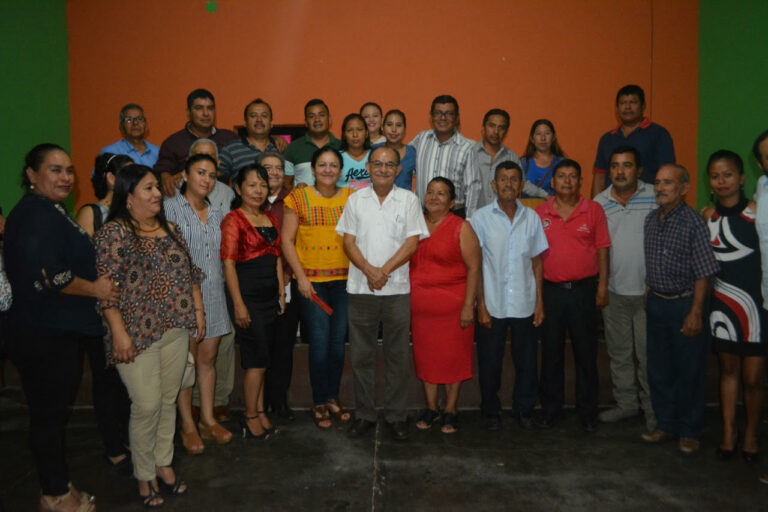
[[467, 316], [122, 347], [242, 317], [282, 304], [305, 287], [483, 317], [105, 290], [200, 320]]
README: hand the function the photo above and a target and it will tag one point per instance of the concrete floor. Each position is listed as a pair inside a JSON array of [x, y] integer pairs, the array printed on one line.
[[303, 468]]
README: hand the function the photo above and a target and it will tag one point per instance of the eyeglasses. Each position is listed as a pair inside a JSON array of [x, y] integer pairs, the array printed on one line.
[[437, 114], [377, 164], [137, 119]]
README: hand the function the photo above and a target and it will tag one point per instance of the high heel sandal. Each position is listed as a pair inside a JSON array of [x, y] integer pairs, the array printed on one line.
[[337, 411], [154, 494], [270, 430], [174, 488], [247, 434], [214, 433], [85, 502], [192, 442]]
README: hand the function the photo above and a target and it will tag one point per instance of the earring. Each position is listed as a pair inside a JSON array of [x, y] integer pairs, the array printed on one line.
[[31, 186], [128, 205]]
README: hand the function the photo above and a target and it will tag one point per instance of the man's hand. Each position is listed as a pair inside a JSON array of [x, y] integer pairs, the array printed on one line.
[[483, 316], [601, 298], [691, 324], [377, 278], [169, 183], [280, 143]]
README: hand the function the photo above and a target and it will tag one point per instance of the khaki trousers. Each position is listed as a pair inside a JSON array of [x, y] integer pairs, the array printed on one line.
[[153, 381]]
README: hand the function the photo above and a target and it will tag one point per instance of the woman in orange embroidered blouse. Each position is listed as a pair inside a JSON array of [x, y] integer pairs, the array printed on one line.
[[250, 254]]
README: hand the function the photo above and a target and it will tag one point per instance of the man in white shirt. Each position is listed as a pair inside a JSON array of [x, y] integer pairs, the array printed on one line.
[[443, 151], [381, 226]]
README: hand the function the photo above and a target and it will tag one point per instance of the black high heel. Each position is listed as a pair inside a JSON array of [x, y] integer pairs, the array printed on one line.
[[270, 430], [727, 454], [247, 434]]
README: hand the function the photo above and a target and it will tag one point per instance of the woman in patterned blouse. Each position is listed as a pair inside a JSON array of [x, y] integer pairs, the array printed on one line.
[[250, 255], [149, 326]]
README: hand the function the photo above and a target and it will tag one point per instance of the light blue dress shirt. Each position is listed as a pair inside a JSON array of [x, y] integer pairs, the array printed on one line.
[[761, 223], [123, 147], [508, 246]]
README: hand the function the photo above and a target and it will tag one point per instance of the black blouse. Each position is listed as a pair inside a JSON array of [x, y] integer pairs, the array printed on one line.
[[45, 250]]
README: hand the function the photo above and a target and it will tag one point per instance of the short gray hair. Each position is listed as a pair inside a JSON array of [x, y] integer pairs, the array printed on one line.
[[204, 141], [266, 154]]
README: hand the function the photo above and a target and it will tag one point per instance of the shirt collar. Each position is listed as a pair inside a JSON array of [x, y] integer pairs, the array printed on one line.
[[453, 140], [188, 127], [550, 209], [645, 123], [641, 186]]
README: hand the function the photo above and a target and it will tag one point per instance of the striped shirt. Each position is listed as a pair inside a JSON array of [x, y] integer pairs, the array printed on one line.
[[626, 224], [203, 241], [239, 153], [452, 159], [677, 250]]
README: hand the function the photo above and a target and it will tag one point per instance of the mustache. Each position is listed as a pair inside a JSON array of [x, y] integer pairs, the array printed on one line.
[[661, 194]]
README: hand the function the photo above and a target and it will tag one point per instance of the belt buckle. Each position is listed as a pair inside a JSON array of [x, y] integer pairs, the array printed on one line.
[[568, 285]]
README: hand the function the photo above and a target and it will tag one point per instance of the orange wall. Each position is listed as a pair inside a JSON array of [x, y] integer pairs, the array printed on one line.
[[558, 59]]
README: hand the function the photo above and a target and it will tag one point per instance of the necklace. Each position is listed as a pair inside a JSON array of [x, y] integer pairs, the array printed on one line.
[[150, 230]]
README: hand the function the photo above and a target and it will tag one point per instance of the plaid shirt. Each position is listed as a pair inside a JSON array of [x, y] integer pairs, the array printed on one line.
[[677, 250]]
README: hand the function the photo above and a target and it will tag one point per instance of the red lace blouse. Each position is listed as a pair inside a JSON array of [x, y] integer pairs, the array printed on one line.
[[240, 241]]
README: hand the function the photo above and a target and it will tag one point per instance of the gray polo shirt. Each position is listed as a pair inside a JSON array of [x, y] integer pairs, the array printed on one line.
[[625, 225]]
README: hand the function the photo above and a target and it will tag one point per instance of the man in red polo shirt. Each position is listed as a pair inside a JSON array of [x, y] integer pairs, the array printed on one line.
[[575, 285]]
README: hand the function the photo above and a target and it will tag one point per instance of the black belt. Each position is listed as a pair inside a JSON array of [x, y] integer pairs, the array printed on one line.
[[672, 296], [570, 285]]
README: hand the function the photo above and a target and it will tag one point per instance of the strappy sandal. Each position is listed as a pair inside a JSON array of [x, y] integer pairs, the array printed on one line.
[[270, 430], [337, 411], [247, 433], [214, 433], [192, 442], [150, 500], [174, 488], [427, 419], [321, 415], [451, 420]]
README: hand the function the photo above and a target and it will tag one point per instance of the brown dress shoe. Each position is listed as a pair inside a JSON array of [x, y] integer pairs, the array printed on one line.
[[221, 413], [657, 436], [689, 446]]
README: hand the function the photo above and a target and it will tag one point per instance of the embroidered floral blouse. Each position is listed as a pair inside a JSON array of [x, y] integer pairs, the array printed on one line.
[[155, 277]]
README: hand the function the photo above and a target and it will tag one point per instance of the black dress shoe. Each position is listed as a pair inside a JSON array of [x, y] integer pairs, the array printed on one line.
[[285, 412], [589, 425], [492, 423], [399, 430], [547, 421], [525, 421], [360, 427]]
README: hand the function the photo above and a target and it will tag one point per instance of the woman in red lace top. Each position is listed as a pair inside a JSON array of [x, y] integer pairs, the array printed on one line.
[[250, 255]]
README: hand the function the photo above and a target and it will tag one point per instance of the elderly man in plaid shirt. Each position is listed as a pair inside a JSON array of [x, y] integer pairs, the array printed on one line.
[[679, 262]]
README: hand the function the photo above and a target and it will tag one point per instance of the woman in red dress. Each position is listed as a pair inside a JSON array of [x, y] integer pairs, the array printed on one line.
[[444, 275]]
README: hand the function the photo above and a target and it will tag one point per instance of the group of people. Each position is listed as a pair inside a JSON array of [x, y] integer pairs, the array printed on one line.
[[217, 238]]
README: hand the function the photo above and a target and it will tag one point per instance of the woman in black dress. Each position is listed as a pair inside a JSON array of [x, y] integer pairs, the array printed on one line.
[[736, 317], [51, 264]]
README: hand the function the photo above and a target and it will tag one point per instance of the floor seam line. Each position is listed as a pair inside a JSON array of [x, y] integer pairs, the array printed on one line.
[[375, 483]]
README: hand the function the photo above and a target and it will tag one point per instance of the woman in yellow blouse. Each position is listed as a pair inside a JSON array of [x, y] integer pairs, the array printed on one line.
[[316, 255]]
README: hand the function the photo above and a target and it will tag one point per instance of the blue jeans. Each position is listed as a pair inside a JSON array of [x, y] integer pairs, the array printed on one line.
[[676, 368], [327, 335]]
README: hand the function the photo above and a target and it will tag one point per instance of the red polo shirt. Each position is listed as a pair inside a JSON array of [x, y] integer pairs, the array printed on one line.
[[573, 242]]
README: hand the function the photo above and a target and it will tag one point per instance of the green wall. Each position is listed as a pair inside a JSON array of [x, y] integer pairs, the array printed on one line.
[[733, 83], [34, 85]]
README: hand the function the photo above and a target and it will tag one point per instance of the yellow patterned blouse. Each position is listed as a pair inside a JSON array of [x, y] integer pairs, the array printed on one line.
[[319, 247]]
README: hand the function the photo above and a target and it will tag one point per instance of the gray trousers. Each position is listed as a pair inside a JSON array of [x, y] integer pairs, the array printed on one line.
[[625, 340], [365, 313]]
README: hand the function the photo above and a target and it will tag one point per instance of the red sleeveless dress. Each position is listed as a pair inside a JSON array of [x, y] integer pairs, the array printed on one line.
[[442, 350]]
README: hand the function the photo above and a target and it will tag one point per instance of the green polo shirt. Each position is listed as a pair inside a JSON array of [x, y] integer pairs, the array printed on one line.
[[299, 153]]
